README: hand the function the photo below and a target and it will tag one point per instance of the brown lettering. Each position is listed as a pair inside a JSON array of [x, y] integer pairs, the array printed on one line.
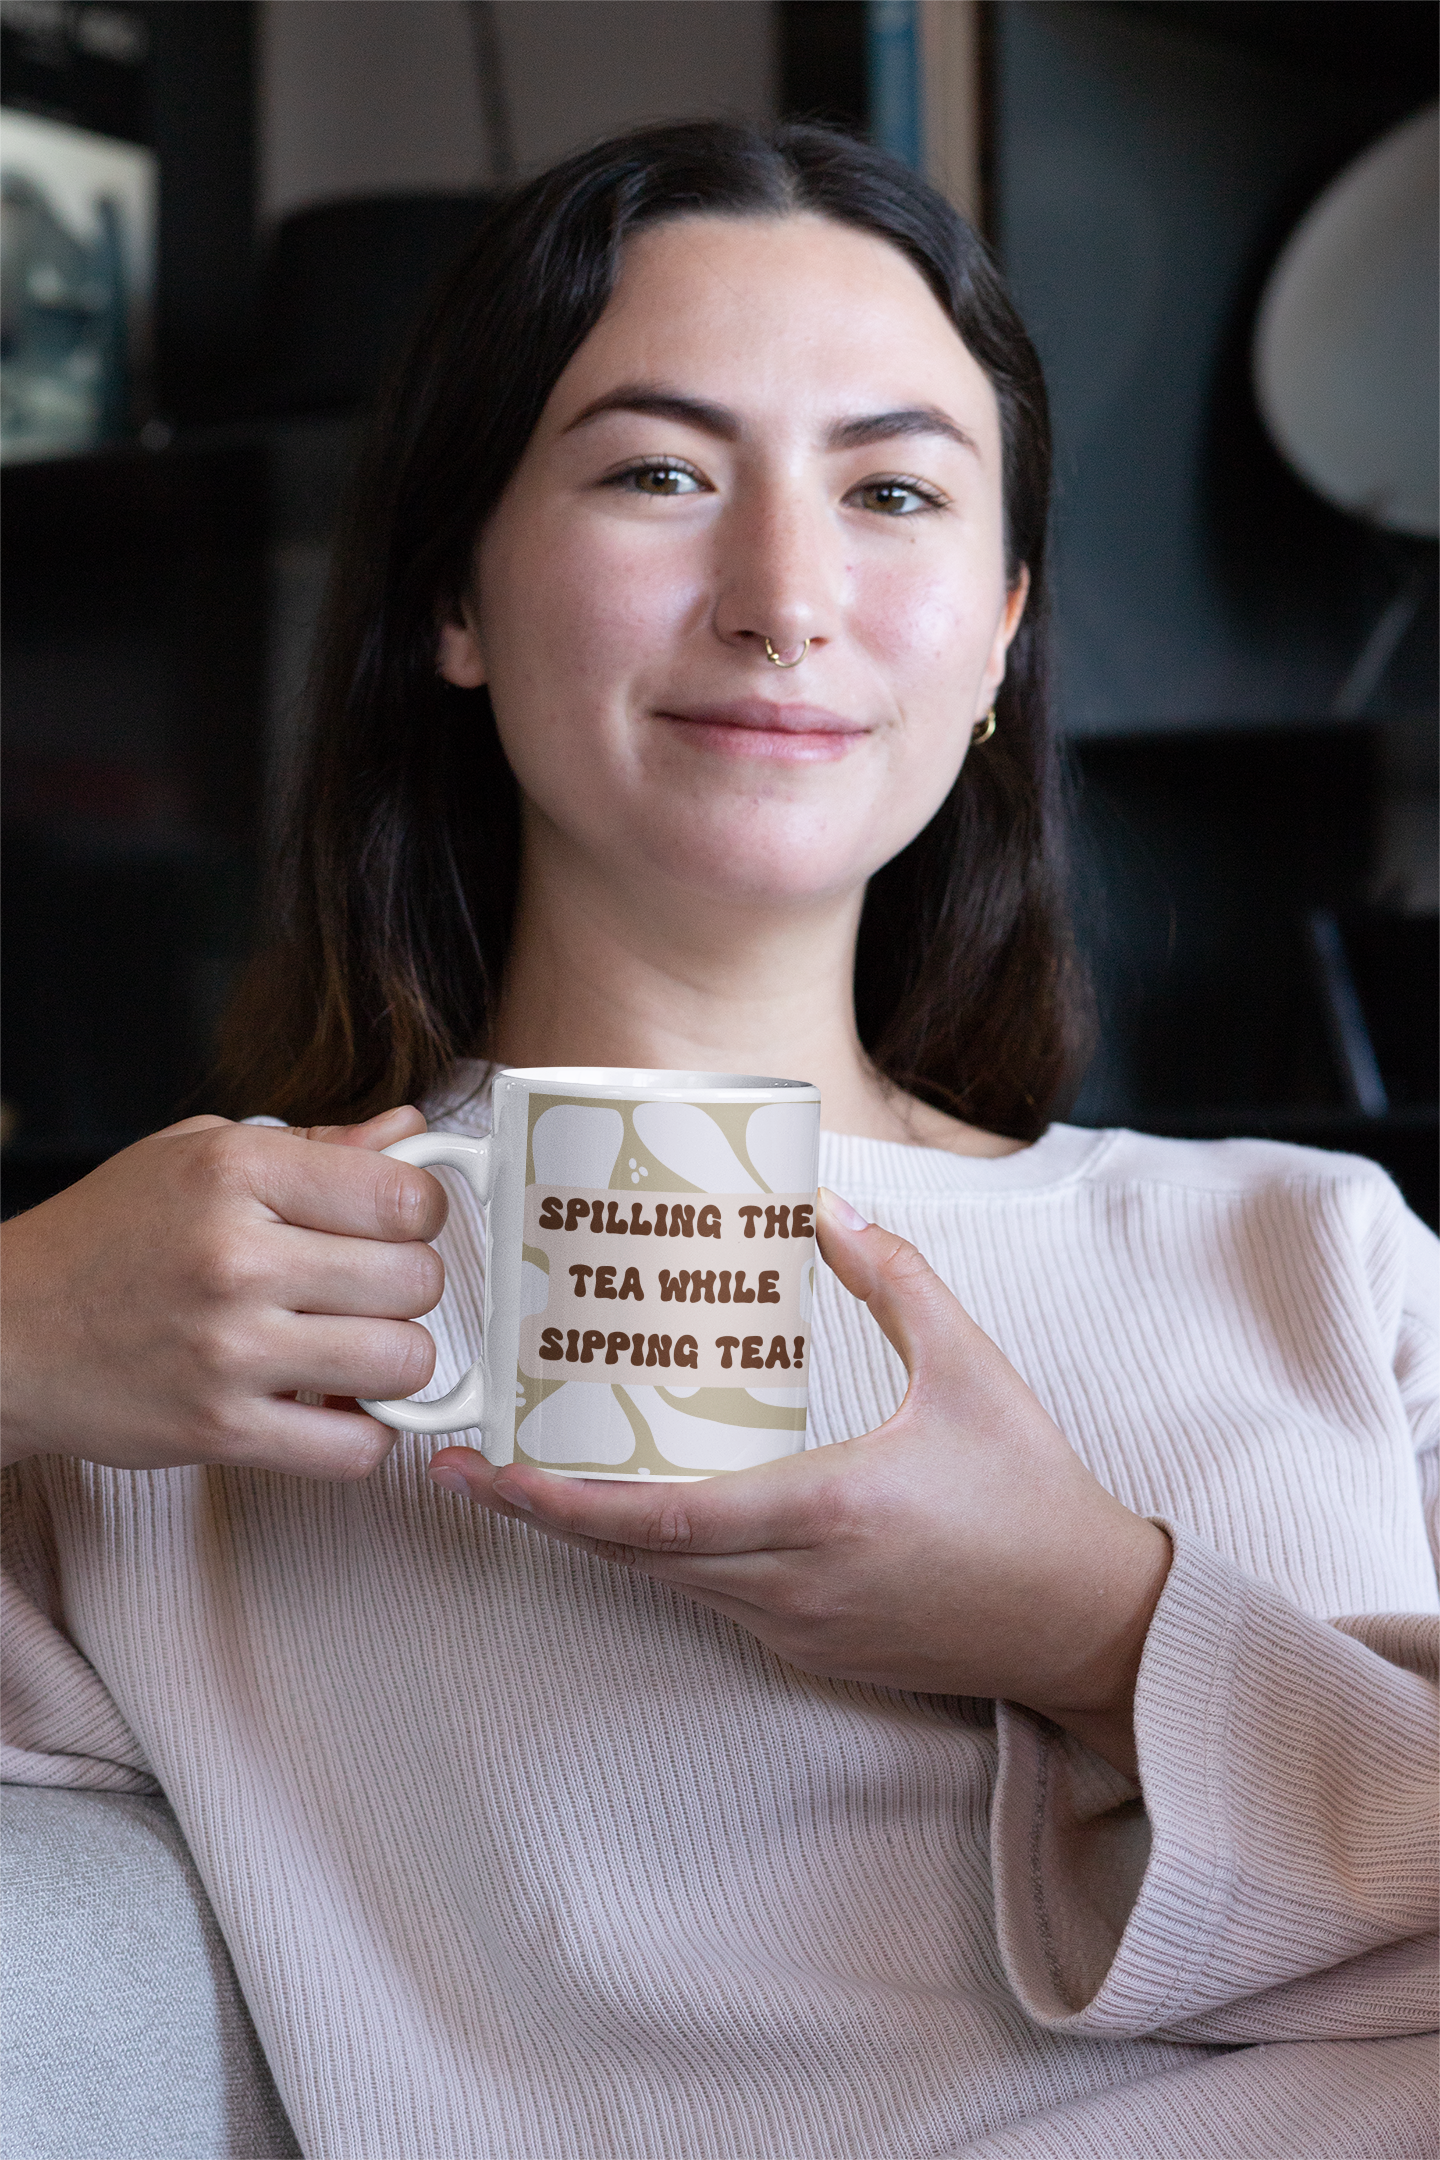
[[749, 1350], [687, 1352], [725, 1344], [551, 1215], [591, 1341], [581, 1274], [802, 1222], [604, 1282], [631, 1285], [550, 1344], [769, 1294], [779, 1355], [752, 1216], [708, 1222]]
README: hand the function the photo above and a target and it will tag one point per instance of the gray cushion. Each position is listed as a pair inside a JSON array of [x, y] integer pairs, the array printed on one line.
[[125, 2033]]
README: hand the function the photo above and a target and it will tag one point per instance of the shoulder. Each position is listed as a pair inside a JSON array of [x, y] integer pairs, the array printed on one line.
[[1240, 1168], [1304, 1181], [1309, 1195]]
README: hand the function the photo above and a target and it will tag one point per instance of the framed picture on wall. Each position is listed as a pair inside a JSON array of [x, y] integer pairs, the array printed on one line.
[[78, 267]]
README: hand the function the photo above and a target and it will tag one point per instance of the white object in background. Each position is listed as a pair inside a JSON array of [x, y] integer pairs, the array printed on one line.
[[1345, 355]]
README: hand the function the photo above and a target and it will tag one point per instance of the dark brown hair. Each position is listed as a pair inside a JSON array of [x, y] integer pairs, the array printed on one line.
[[398, 880]]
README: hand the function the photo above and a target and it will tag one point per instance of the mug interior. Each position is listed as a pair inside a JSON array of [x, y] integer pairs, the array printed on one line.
[[631, 1079]]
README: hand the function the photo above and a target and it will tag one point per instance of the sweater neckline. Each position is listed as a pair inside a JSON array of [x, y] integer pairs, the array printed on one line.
[[1061, 1154]]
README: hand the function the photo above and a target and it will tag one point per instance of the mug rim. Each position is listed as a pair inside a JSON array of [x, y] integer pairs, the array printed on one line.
[[628, 1080]]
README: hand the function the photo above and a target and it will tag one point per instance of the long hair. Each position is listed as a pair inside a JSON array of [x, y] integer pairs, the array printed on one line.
[[398, 877]]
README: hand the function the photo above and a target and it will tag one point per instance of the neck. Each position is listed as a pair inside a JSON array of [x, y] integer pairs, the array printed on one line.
[[600, 975]]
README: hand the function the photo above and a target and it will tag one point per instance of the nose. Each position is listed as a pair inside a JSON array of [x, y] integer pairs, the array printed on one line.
[[779, 575]]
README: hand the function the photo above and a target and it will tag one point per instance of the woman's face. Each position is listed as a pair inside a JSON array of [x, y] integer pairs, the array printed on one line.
[[772, 432]]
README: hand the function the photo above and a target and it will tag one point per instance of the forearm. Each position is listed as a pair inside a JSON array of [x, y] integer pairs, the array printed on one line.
[[1098, 1705]]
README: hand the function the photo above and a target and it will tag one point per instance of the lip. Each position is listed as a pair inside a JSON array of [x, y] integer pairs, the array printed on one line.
[[755, 727]]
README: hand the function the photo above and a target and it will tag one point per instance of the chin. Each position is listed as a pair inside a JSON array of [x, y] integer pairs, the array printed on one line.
[[756, 868]]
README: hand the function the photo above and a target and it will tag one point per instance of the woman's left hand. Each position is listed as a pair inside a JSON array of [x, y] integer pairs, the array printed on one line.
[[962, 1548]]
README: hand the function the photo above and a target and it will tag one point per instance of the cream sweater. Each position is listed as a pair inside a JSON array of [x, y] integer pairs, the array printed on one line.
[[521, 1857]]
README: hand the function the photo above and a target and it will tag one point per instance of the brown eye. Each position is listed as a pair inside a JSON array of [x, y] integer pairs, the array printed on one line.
[[663, 480], [894, 498]]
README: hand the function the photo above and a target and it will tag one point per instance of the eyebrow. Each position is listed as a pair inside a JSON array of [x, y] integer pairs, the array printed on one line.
[[887, 426], [660, 403]]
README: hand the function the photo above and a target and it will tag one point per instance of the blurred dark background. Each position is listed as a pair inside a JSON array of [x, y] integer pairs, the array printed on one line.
[[1247, 675]]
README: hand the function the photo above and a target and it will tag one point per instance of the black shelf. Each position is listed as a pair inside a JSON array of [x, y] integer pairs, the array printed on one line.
[[134, 625]]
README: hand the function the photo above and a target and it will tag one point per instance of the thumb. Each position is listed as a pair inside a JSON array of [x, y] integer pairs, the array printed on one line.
[[915, 1311]]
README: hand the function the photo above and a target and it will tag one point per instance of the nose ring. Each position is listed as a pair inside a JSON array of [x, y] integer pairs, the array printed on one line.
[[775, 660]]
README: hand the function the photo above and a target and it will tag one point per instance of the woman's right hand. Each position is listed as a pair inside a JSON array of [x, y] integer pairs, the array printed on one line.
[[168, 1308]]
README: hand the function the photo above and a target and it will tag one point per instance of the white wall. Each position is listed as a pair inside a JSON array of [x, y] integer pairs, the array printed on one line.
[[368, 96]]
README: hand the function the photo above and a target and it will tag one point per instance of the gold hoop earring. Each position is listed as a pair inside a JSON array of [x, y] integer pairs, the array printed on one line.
[[983, 729], [775, 660]]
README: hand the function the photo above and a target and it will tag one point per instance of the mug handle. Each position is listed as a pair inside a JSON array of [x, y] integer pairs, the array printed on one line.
[[463, 1406]]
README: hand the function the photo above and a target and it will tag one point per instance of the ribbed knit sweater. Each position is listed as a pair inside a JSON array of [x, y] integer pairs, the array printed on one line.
[[524, 1857]]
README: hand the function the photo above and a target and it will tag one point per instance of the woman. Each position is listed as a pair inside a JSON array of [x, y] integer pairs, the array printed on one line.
[[975, 1787]]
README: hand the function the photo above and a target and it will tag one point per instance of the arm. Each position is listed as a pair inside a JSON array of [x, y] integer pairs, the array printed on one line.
[[165, 1311], [964, 1549], [61, 1723], [1278, 1880]]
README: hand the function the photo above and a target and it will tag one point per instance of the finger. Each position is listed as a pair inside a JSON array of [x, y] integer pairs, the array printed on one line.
[[743, 1586], [308, 1271], [913, 1308], [779, 1506], [380, 1131], [317, 1185], [373, 1359], [334, 1443]]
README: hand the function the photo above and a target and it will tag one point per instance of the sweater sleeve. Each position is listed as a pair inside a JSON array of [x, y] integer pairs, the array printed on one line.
[[1272, 1877], [61, 1725], [1277, 1880]]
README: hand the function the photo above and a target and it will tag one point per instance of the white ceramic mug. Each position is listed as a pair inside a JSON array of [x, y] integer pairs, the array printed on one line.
[[649, 1274]]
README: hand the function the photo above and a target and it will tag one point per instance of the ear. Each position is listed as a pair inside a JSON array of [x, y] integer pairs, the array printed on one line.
[[458, 657], [1005, 629]]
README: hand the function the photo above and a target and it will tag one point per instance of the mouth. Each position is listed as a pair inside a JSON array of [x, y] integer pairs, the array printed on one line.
[[756, 728]]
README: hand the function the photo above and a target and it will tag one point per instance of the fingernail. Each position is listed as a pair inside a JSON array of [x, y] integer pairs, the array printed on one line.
[[452, 1479], [512, 1498], [847, 1217]]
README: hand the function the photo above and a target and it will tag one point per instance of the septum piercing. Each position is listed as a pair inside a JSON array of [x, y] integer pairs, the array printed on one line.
[[775, 660]]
